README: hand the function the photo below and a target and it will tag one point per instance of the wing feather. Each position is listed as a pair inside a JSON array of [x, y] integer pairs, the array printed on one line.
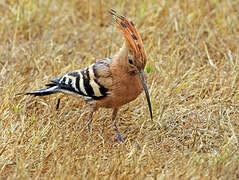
[[91, 82]]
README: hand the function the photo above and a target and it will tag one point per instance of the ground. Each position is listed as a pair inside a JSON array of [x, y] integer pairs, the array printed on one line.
[[192, 68]]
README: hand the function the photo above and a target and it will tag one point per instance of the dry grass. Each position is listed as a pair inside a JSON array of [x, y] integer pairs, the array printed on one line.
[[193, 58]]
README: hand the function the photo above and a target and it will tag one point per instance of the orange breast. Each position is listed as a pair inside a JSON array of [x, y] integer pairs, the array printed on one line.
[[125, 89]]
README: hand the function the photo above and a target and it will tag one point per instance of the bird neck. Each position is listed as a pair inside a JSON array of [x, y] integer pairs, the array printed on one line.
[[123, 52], [120, 61]]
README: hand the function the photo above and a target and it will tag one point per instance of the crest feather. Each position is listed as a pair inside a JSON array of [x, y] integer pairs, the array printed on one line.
[[131, 35]]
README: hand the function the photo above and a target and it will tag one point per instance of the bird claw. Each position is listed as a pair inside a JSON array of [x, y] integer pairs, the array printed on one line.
[[121, 139], [90, 127]]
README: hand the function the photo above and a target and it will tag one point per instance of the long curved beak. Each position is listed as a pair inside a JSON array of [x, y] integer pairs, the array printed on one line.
[[141, 75]]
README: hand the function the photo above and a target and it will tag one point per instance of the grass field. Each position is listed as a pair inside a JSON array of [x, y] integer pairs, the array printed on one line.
[[193, 65]]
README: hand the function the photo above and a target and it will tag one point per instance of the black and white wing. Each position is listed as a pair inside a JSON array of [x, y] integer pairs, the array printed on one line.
[[92, 82]]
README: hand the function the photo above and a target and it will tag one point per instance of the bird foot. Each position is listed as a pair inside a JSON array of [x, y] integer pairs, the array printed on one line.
[[121, 139], [90, 127]]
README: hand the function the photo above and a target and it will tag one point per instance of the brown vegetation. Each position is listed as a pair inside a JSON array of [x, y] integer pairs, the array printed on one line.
[[193, 66]]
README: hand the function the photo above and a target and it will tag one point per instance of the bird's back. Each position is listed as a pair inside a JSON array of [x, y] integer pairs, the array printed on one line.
[[91, 82]]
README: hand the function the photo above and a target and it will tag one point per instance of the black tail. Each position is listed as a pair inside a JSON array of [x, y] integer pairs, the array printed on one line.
[[51, 89], [44, 91]]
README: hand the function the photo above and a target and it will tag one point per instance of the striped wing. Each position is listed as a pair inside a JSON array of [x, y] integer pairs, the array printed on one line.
[[91, 82]]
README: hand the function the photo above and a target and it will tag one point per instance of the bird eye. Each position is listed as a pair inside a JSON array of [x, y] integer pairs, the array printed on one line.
[[131, 61]]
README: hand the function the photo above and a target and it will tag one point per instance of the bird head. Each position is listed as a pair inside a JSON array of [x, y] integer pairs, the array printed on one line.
[[136, 56]]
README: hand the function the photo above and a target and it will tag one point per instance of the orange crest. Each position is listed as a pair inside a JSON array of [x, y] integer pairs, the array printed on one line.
[[131, 35]]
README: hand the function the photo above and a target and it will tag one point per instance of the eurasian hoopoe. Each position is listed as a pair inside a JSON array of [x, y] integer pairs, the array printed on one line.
[[110, 82]]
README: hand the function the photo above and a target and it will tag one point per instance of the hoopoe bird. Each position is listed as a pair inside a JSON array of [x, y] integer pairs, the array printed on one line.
[[110, 82]]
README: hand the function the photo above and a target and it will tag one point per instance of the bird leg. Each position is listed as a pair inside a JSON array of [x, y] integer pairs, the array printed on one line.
[[58, 104], [115, 124], [90, 118]]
